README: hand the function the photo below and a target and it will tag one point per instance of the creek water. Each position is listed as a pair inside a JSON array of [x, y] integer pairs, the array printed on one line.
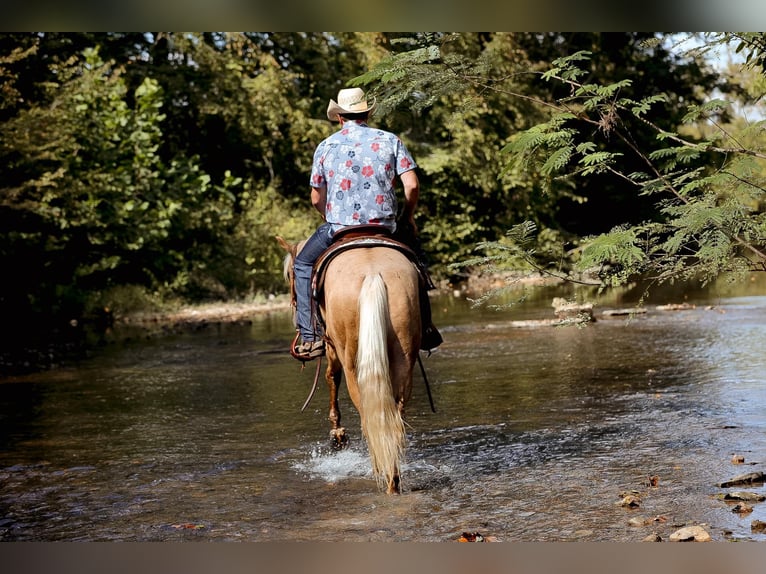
[[539, 432]]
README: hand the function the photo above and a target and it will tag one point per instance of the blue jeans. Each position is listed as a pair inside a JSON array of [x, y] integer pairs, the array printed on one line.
[[304, 263]]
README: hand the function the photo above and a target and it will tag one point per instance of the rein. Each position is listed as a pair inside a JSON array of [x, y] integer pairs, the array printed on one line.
[[319, 368], [303, 366], [428, 387], [313, 386]]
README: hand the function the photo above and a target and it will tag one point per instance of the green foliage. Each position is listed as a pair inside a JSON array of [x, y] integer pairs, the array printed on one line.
[[9, 92], [552, 141], [417, 77], [269, 214], [515, 254], [710, 191], [89, 199], [607, 142], [618, 256]]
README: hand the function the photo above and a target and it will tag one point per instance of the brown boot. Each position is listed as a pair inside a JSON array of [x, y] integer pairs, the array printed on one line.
[[308, 350]]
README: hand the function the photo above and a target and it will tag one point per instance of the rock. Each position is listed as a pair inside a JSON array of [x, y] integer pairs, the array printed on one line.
[[623, 312], [747, 478], [525, 324], [631, 492], [638, 521], [691, 534], [742, 508], [630, 501], [676, 307], [758, 526], [747, 496], [475, 537], [569, 310], [653, 537], [738, 459]]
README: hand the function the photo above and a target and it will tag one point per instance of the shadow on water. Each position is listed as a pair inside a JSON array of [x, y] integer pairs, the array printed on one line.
[[537, 433]]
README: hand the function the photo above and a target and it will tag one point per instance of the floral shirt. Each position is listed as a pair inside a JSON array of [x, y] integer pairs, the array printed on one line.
[[358, 165]]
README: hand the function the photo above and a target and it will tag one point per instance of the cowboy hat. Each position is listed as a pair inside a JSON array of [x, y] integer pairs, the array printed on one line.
[[350, 101]]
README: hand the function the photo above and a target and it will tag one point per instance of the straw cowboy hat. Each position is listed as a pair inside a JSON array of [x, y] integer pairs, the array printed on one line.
[[350, 101]]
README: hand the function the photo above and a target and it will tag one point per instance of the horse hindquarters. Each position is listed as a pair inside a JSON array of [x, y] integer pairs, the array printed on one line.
[[381, 420]]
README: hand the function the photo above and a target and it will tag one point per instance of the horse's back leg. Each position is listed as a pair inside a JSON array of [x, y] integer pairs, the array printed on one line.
[[338, 436]]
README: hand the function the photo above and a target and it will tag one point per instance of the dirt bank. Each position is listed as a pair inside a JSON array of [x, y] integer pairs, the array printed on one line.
[[202, 314]]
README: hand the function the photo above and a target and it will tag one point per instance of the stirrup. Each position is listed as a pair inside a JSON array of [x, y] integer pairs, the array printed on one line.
[[307, 351]]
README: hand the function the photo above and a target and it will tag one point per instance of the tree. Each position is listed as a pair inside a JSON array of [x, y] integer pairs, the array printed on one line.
[[707, 184], [168, 161], [434, 90], [87, 202]]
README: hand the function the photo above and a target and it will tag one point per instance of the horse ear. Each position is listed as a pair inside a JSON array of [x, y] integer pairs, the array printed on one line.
[[284, 244]]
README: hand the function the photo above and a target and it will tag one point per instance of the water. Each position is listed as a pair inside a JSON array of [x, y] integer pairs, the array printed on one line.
[[538, 431]]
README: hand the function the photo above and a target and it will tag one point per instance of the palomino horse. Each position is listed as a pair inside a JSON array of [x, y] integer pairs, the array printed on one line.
[[371, 311]]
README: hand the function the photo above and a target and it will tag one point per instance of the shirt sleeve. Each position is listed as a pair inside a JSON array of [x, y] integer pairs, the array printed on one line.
[[317, 178], [404, 161]]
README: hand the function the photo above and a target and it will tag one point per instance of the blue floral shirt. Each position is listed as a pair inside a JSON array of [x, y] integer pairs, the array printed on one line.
[[358, 165]]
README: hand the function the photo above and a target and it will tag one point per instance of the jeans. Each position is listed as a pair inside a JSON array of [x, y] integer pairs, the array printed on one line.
[[304, 264]]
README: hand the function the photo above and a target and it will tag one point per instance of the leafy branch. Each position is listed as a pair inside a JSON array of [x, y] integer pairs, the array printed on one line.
[[519, 247], [706, 228]]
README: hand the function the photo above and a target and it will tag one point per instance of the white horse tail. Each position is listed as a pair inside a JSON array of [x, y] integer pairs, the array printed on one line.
[[381, 419]]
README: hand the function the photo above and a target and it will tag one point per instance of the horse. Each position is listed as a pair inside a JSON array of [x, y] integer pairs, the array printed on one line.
[[371, 311]]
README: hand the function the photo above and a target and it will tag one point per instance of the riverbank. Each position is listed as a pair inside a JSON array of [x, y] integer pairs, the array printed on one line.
[[217, 312], [237, 311]]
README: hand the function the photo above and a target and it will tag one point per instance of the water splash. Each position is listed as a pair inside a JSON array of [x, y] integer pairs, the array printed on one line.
[[332, 466]]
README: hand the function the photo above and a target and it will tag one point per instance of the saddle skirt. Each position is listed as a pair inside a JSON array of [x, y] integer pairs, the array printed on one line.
[[355, 242], [357, 239]]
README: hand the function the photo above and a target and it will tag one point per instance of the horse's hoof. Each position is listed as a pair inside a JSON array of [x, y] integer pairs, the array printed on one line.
[[394, 486], [338, 439]]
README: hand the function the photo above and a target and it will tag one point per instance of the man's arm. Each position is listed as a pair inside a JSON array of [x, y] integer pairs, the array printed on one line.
[[411, 191], [319, 199]]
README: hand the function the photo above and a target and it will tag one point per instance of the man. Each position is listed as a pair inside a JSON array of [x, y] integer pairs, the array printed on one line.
[[352, 183]]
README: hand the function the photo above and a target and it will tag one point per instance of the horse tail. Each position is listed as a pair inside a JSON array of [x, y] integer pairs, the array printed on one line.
[[381, 419]]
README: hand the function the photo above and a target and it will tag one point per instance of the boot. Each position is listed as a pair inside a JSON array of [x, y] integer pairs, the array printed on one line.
[[307, 350], [431, 338]]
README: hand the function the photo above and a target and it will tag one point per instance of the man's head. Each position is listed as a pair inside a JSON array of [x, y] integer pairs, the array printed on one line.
[[351, 104]]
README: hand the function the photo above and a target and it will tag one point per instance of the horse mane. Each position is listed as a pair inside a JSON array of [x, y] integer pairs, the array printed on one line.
[[292, 250], [287, 267]]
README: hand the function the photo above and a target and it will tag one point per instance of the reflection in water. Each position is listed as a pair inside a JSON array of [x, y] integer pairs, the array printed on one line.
[[537, 432]]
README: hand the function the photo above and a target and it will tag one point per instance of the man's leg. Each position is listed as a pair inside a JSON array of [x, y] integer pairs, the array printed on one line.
[[304, 263], [430, 338]]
